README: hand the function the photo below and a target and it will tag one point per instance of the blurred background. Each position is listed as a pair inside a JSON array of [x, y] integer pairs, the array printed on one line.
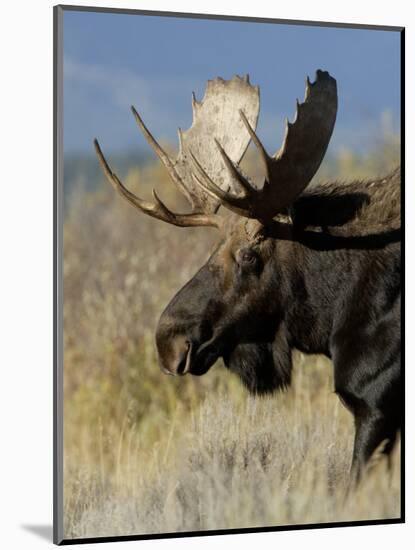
[[147, 453]]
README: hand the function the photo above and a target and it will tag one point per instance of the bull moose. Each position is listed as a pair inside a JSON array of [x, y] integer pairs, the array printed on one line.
[[313, 268]]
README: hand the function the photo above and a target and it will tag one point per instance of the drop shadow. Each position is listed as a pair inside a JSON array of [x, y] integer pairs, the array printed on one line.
[[43, 531]]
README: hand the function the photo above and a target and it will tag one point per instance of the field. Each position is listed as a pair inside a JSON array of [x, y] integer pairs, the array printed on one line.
[[147, 453]]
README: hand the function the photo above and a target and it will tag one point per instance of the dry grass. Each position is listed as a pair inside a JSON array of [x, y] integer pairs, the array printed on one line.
[[145, 453], [229, 464]]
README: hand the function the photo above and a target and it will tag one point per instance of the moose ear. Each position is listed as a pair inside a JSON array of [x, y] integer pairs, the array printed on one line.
[[263, 367]]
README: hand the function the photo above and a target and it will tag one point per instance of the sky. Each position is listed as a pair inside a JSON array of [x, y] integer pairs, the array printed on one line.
[[112, 61]]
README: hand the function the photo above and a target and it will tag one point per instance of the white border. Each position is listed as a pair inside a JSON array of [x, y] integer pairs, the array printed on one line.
[[26, 266]]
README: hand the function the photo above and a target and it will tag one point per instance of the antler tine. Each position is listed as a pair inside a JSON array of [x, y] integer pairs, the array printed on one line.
[[215, 194], [235, 204], [163, 156], [158, 210], [209, 186], [118, 185], [241, 205], [264, 155], [235, 173]]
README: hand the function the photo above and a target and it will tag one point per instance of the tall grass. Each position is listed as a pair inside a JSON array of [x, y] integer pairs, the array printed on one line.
[[145, 453]]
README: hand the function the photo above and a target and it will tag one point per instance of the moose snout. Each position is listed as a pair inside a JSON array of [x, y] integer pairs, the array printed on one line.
[[186, 327]]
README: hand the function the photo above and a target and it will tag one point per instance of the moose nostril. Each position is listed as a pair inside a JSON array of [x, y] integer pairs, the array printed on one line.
[[184, 363]]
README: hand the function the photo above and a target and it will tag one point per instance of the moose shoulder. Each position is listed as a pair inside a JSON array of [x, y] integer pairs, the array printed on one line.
[[315, 269]]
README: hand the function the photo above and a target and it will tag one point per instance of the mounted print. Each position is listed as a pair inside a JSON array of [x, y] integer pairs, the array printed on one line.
[[227, 275]]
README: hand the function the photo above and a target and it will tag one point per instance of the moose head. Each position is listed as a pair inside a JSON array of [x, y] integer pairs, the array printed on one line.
[[233, 307]]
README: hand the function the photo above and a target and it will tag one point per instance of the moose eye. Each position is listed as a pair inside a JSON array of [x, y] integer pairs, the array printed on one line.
[[247, 257]]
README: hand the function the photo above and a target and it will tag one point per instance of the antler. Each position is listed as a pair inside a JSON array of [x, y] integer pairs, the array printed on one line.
[[158, 209], [216, 116], [291, 169]]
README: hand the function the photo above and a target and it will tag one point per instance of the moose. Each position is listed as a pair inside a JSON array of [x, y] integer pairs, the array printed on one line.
[[315, 268]]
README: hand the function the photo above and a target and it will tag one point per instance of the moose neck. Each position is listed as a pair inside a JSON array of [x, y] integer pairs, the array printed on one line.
[[322, 270], [313, 278]]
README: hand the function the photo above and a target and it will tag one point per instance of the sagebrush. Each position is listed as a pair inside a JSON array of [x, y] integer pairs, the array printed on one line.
[[146, 453]]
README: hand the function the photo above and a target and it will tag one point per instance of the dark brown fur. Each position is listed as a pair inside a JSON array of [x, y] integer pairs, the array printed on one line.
[[323, 278]]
